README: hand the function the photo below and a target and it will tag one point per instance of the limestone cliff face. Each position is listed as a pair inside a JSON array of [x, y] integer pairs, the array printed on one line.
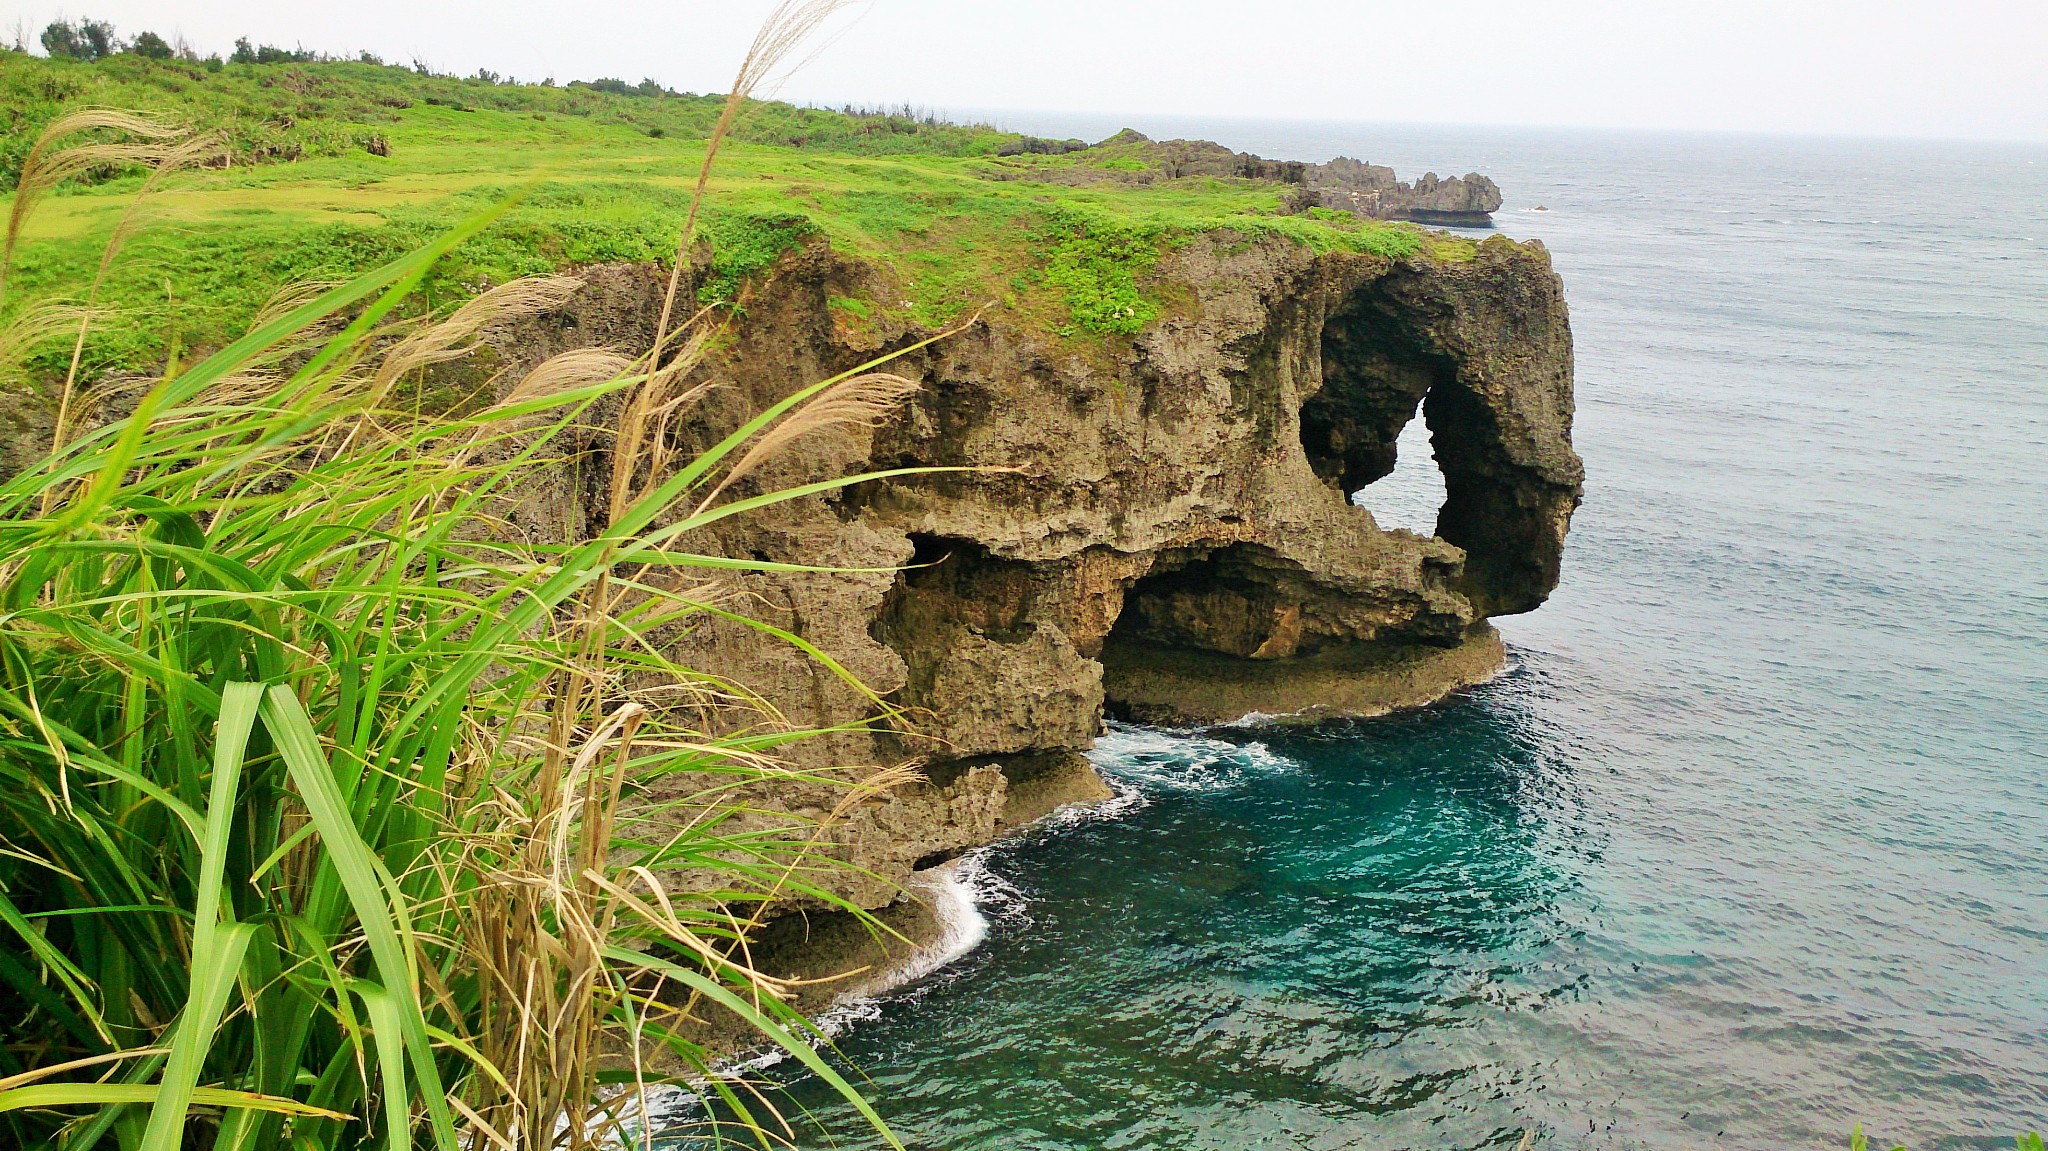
[[1166, 528]]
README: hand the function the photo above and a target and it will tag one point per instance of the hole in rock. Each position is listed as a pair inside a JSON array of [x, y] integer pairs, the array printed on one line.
[[1211, 634], [1412, 494], [954, 583], [948, 588], [1360, 431]]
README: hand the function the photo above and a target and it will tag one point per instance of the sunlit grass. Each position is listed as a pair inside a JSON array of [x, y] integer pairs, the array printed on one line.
[[955, 233]]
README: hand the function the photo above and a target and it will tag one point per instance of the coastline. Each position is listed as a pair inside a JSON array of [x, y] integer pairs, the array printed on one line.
[[936, 917], [939, 918], [847, 971]]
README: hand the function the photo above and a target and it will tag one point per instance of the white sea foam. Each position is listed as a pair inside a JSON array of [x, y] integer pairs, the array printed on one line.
[[962, 894], [967, 896], [957, 892], [1153, 760], [1260, 718]]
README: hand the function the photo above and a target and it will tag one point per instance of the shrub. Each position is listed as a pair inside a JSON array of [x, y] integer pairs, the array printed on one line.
[[743, 243], [151, 46], [86, 40], [1096, 261], [247, 53]]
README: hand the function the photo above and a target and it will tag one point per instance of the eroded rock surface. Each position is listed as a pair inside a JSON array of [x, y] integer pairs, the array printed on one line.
[[1164, 527]]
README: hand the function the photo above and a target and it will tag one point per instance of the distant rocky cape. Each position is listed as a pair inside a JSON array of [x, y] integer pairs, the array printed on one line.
[[1368, 190]]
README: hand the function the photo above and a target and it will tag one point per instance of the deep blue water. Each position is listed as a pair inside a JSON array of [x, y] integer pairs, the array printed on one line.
[[1752, 842]]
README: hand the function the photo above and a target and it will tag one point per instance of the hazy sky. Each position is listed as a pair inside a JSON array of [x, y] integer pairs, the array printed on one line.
[[1895, 67]]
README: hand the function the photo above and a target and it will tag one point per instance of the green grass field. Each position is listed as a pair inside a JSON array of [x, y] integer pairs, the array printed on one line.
[[602, 177]]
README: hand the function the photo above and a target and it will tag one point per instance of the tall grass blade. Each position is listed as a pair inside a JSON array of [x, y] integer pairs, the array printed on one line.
[[387, 1027], [59, 965], [217, 948], [215, 965], [367, 884], [99, 1094]]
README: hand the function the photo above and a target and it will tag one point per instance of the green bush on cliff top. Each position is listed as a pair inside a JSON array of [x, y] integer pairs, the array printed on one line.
[[1095, 260]]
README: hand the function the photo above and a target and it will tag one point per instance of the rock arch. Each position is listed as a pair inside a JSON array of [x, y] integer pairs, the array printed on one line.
[[1485, 355]]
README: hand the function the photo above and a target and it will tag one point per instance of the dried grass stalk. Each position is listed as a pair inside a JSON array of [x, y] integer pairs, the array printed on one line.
[[787, 27], [857, 402], [457, 336], [32, 327], [48, 165], [180, 153], [566, 372]]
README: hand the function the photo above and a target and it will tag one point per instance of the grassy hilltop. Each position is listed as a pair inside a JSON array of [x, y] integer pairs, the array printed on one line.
[[330, 167]]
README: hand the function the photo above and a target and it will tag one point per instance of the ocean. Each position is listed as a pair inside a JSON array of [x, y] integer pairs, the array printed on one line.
[[1750, 844]]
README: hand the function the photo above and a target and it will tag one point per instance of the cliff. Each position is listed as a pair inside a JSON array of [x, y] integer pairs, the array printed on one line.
[[1164, 527]]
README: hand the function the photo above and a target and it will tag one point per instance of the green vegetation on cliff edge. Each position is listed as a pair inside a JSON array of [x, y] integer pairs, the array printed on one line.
[[332, 168]]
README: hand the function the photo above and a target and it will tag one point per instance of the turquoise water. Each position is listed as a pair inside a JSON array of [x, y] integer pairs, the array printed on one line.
[[1752, 841]]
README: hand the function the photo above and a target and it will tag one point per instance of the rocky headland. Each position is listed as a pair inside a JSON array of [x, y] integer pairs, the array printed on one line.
[[1160, 527]]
